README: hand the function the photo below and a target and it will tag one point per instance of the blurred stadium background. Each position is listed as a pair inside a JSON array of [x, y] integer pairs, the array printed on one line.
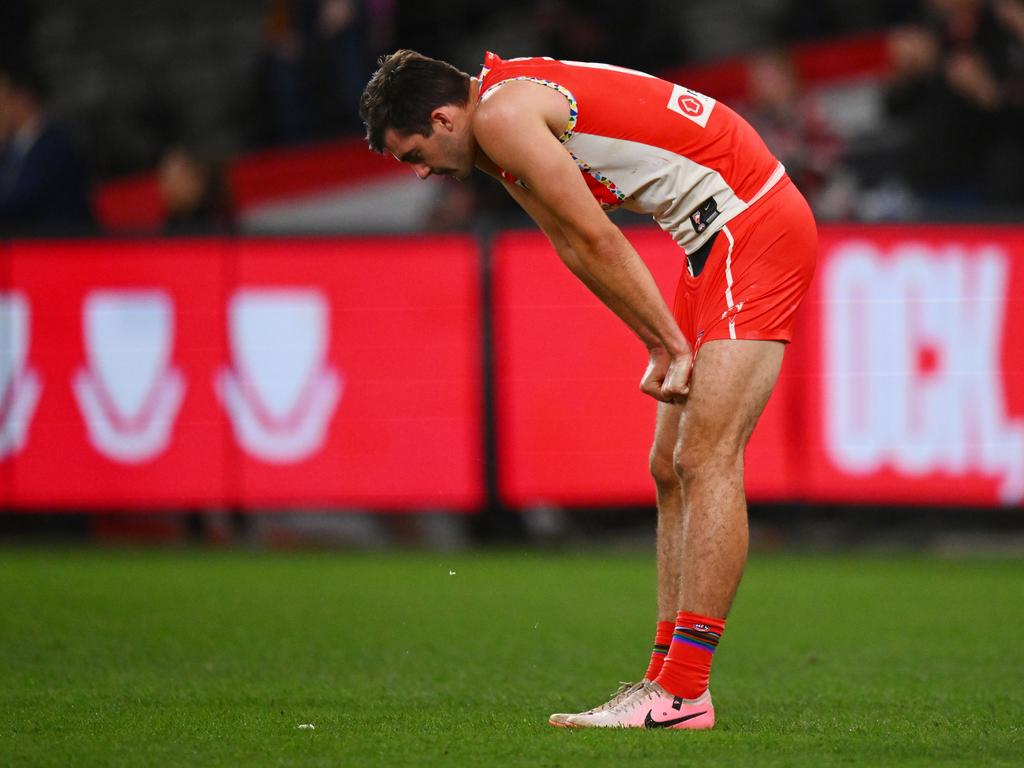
[[224, 322], [217, 302]]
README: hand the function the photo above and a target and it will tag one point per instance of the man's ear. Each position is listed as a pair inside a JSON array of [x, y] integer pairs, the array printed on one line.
[[442, 118]]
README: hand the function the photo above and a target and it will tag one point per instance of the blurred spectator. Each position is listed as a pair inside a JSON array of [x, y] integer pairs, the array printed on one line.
[[335, 31], [951, 87], [283, 86], [43, 185], [315, 63], [1008, 176], [195, 194], [791, 123]]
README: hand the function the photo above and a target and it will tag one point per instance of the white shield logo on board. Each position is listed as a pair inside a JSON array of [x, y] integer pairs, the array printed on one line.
[[129, 394], [19, 385], [280, 394]]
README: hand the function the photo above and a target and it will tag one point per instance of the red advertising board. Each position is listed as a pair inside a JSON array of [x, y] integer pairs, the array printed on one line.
[[573, 427], [914, 389], [346, 373], [402, 366], [904, 383], [257, 373], [113, 339]]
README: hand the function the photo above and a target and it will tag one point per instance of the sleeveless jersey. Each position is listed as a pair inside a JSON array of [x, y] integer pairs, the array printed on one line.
[[651, 146]]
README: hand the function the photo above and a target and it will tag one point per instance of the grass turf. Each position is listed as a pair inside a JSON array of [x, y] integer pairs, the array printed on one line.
[[192, 658]]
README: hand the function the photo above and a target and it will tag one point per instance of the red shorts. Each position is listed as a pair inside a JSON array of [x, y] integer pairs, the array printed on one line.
[[756, 274]]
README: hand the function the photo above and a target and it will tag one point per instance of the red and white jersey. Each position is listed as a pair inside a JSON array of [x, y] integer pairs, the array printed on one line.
[[651, 146]]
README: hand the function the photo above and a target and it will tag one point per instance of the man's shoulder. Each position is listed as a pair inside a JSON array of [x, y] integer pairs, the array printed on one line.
[[521, 102]]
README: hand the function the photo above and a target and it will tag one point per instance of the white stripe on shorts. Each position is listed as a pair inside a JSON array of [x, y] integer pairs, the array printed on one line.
[[728, 283]]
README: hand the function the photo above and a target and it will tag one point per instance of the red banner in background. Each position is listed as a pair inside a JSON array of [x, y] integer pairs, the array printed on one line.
[[913, 352], [190, 373], [394, 369], [346, 373], [107, 395], [904, 382], [573, 426]]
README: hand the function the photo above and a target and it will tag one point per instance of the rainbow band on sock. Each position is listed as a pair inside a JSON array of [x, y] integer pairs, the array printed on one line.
[[660, 650], [707, 640]]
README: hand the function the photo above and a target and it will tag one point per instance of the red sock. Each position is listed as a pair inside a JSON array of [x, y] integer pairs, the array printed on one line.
[[687, 666], [662, 638]]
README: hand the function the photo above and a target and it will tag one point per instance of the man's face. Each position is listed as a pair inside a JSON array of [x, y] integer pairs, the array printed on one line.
[[442, 153]]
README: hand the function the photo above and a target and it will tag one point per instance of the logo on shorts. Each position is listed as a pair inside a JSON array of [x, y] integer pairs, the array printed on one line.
[[704, 215]]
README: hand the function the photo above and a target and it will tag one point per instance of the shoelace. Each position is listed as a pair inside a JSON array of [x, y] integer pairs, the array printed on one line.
[[644, 692], [624, 690]]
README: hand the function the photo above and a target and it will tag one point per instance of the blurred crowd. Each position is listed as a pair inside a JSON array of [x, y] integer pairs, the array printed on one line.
[[948, 137], [942, 138], [957, 92]]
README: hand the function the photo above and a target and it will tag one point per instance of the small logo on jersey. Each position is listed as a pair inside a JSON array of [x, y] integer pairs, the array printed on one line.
[[691, 104], [706, 213]]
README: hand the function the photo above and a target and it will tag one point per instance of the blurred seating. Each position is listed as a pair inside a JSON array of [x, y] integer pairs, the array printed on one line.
[[231, 76]]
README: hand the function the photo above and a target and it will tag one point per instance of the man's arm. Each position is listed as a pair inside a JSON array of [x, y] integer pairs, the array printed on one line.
[[515, 134], [550, 227]]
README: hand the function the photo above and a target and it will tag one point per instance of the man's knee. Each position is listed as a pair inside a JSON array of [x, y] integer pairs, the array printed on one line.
[[702, 459], [663, 471]]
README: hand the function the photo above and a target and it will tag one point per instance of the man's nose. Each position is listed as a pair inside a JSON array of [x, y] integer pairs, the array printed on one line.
[[422, 170]]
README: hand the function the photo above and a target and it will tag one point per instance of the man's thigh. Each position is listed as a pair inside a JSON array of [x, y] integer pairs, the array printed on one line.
[[729, 388]]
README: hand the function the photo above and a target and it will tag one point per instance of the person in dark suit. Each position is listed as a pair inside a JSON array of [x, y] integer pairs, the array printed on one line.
[[44, 188]]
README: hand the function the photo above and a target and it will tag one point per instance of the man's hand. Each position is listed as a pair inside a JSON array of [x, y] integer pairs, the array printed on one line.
[[667, 379]]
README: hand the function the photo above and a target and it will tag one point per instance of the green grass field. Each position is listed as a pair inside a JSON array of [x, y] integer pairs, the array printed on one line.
[[199, 659]]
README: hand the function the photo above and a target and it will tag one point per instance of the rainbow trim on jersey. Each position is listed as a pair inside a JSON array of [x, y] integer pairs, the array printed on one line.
[[600, 177], [570, 127], [574, 111]]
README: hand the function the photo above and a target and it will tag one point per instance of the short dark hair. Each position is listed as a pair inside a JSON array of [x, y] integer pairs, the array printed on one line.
[[406, 88]]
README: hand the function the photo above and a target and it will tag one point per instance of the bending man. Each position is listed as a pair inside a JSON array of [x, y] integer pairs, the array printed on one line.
[[570, 141]]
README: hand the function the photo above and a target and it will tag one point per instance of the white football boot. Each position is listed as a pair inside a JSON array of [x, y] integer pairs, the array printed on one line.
[[561, 719], [650, 706]]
